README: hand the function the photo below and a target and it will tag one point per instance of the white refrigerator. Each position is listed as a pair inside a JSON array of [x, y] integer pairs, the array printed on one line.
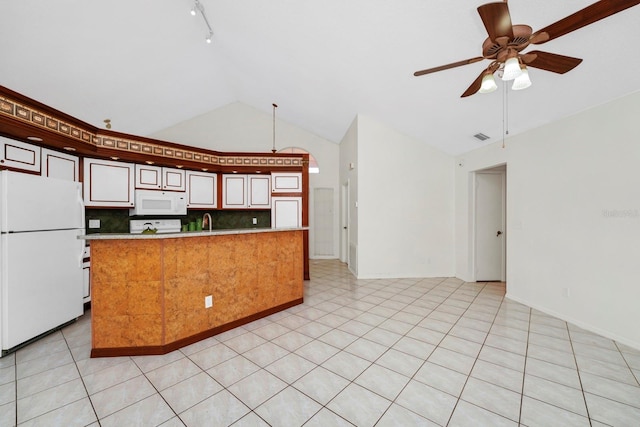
[[41, 256]]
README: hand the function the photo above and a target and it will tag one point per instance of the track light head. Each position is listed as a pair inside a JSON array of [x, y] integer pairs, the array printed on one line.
[[198, 7]]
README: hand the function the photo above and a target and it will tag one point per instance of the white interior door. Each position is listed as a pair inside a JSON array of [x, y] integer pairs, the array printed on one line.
[[489, 226], [344, 221], [323, 222]]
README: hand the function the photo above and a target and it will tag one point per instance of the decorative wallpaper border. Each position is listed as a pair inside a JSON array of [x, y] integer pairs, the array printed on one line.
[[27, 114]]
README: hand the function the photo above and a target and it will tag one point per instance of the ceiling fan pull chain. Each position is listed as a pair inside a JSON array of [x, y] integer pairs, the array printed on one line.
[[505, 113], [506, 97]]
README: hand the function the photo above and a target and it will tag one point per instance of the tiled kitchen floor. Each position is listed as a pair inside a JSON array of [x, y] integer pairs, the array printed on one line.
[[392, 352]]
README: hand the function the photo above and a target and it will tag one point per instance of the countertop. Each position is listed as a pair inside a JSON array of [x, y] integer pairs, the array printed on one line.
[[185, 234]]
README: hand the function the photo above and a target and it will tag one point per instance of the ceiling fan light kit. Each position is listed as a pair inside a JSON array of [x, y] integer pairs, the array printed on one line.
[[511, 69], [522, 81], [488, 84], [506, 43]]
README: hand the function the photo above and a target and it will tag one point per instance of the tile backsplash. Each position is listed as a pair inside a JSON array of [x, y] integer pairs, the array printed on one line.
[[117, 220]]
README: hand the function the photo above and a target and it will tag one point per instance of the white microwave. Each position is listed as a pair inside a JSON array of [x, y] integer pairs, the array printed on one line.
[[153, 202]]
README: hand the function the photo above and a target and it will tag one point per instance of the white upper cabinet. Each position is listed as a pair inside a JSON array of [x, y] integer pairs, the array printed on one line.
[[286, 182], [286, 212], [160, 178], [246, 191], [108, 183], [259, 190], [234, 191], [149, 177], [202, 190], [19, 155], [60, 165], [173, 179]]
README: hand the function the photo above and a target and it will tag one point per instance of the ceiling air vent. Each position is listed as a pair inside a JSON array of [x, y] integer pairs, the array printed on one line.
[[481, 136]]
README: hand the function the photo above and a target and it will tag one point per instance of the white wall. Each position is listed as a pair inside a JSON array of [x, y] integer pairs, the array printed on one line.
[[405, 205], [573, 217], [240, 128]]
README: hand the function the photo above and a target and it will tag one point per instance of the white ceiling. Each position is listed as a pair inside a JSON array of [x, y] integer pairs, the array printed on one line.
[[145, 65]]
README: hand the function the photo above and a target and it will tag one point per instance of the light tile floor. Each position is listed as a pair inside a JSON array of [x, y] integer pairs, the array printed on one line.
[[392, 352]]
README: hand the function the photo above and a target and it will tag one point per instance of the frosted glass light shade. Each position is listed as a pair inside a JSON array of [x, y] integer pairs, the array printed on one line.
[[511, 69], [488, 84], [522, 81]]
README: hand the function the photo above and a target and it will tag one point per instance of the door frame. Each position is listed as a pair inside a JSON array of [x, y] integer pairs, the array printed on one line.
[[344, 222], [500, 169]]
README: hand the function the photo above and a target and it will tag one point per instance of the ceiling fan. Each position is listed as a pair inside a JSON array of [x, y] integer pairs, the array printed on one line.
[[506, 42]]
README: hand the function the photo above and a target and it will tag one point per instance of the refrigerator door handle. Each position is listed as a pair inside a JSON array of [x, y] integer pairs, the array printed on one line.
[[81, 257], [82, 209], [81, 203]]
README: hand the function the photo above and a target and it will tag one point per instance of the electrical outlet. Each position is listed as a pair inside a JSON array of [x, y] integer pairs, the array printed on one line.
[[94, 223], [208, 301], [255, 221]]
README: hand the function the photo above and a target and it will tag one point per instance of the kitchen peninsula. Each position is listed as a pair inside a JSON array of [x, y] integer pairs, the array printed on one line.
[[154, 293]]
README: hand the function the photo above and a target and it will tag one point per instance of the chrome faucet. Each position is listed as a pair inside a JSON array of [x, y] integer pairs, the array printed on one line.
[[206, 220]]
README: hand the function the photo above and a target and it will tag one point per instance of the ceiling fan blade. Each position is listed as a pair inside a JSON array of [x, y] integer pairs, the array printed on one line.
[[497, 20], [551, 62], [475, 86], [446, 67], [539, 38], [582, 18]]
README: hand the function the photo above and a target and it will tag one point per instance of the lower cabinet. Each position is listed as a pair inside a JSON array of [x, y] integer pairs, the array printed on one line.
[[286, 212]]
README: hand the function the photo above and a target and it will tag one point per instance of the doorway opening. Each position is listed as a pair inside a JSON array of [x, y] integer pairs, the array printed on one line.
[[313, 163], [489, 238]]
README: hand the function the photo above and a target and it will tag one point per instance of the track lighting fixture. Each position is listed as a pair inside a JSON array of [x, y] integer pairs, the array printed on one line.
[[198, 7]]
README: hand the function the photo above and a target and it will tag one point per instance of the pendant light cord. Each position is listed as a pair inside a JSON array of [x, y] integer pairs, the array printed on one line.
[[273, 149]]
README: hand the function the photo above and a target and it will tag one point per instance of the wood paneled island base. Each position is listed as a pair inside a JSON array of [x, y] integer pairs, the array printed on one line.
[[148, 292]]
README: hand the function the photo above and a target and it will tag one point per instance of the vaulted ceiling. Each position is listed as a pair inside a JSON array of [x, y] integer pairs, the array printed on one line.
[[145, 65]]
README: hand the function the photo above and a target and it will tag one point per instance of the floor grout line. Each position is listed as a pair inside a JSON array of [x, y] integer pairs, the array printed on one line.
[[447, 302]]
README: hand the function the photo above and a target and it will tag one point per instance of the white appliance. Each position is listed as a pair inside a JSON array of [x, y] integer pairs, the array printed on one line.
[[137, 226], [154, 202], [40, 256]]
